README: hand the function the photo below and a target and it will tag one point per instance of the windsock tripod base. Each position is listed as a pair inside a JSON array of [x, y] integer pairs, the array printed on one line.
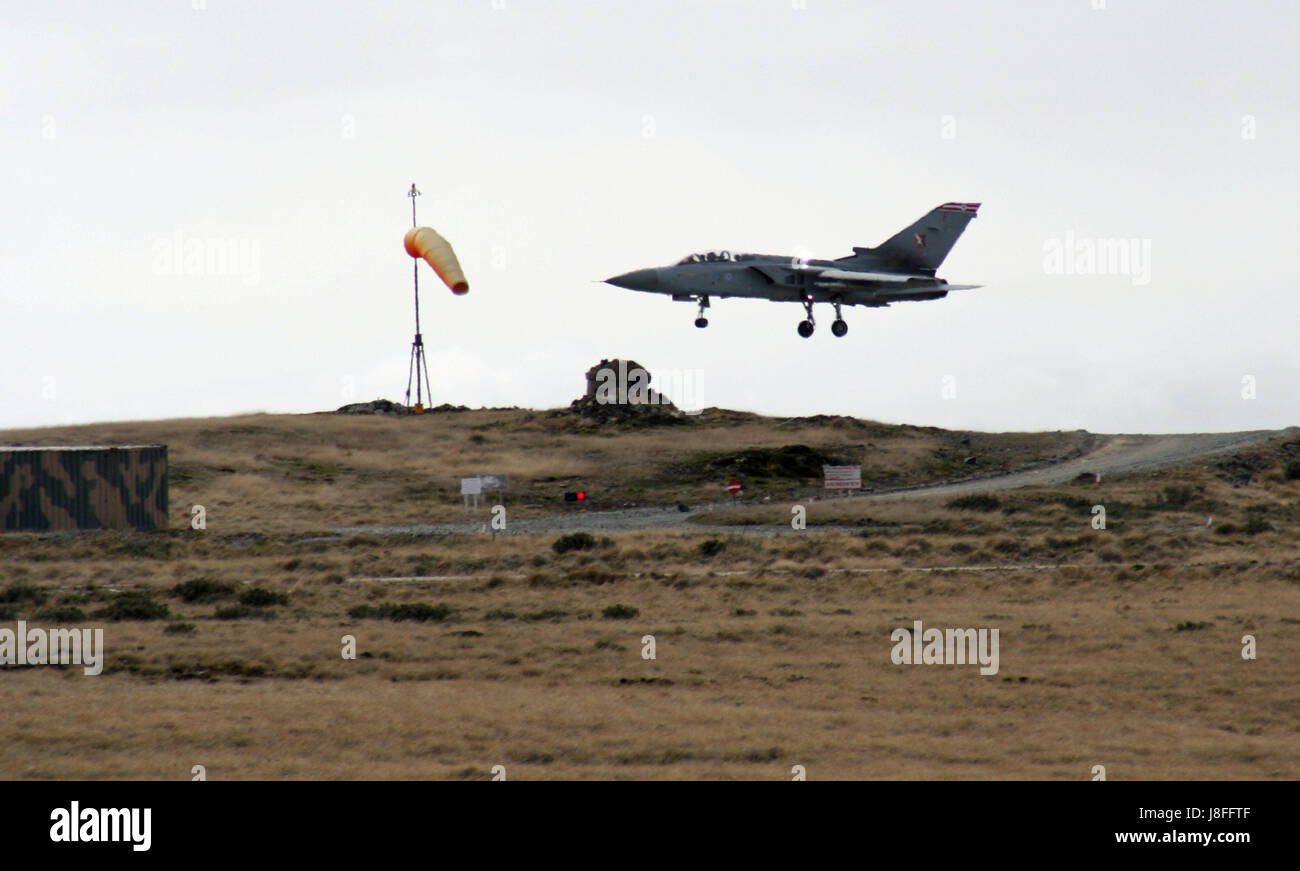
[[419, 366]]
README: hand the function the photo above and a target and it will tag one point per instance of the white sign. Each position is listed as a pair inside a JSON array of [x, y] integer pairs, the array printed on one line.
[[842, 477], [471, 486]]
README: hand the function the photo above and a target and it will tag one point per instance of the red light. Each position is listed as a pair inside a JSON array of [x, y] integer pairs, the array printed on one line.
[[582, 494]]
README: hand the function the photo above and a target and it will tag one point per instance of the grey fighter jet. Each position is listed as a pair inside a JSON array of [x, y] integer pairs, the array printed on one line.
[[900, 269]]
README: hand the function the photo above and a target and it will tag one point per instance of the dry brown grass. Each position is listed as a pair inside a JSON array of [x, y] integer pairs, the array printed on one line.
[[772, 652], [1093, 670]]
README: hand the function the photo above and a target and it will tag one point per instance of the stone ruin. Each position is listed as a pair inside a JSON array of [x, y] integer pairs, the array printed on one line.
[[619, 390]]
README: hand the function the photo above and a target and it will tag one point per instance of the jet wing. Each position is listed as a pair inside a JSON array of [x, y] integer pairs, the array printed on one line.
[[854, 277], [831, 277], [854, 286]]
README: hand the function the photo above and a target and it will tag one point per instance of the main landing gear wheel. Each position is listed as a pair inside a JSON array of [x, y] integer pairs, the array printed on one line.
[[806, 327], [839, 327], [701, 322]]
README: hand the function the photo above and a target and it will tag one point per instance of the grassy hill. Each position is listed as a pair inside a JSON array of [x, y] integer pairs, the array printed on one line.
[[273, 473]]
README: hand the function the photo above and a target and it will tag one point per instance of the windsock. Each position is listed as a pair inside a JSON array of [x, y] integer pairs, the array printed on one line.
[[424, 242]]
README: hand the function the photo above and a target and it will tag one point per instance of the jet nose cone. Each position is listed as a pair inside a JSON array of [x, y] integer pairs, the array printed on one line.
[[637, 279]]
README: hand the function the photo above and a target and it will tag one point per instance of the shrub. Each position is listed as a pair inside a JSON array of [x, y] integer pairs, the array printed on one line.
[[418, 612], [260, 597], [712, 547], [62, 614], [133, 606], [975, 502], [620, 612], [179, 628], [22, 592], [1255, 525], [574, 541], [1292, 470], [202, 591]]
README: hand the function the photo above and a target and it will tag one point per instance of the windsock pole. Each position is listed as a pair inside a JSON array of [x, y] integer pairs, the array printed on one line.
[[418, 361]]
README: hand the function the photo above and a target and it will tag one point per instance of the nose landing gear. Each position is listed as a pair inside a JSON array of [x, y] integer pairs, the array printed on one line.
[[700, 320]]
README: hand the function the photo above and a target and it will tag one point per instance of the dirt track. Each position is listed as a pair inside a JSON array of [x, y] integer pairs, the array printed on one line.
[[1116, 455]]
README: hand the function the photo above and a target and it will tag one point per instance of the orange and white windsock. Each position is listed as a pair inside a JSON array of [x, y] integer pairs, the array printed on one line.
[[436, 251]]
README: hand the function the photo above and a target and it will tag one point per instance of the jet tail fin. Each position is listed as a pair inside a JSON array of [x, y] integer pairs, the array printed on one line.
[[925, 244]]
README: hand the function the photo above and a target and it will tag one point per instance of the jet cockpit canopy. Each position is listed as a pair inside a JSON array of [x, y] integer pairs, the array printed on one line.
[[710, 257]]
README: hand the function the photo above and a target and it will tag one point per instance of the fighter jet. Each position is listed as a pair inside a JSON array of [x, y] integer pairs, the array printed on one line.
[[901, 269]]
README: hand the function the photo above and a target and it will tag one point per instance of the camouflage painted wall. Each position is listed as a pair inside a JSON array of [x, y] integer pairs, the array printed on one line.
[[83, 488]]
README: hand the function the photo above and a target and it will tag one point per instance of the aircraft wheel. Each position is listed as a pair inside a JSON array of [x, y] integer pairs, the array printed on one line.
[[839, 328], [701, 322], [805, 328]]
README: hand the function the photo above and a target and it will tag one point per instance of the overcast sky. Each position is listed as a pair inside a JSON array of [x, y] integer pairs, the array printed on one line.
[[560, 143]]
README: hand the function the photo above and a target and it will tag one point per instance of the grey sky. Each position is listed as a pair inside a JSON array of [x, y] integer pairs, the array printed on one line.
[[558, 144]]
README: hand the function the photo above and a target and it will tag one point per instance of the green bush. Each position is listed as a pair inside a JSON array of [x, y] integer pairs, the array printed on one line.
[[574, 541], [712, 547], [620, 612], [418, 612], [1255, 524], [260, 597], [1178, 497], [23, 592], [179, 628], [202, 591], [1292, 470], [62, 614], [133, 606], [975, 502]]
